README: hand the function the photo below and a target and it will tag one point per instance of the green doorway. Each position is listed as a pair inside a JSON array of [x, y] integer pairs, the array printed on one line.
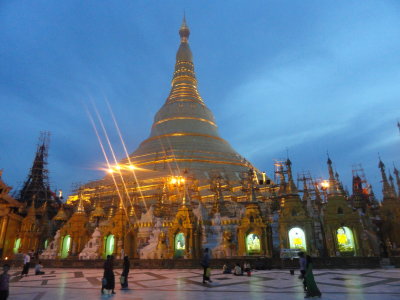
[[180, 245], [66, 244], [17, 244], [110, 245]]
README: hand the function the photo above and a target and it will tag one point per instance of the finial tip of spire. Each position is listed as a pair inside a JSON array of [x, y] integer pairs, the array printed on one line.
[[184, 31]]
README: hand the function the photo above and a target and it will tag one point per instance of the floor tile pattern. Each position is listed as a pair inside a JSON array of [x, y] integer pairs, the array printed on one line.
[[85, 284]]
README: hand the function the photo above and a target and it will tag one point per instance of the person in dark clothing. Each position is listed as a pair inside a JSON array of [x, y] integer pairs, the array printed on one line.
[[4, 283], [108, 276], [311, 286], [125, 272], [302, 263], [205, 263]]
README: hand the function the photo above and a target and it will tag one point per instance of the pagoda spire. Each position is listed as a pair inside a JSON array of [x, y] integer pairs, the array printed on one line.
[[339, 183], [291, 187], [333, 184], [61, 215], [184, 31], [386, 186], [184, 83], [392, 188], [396, 173], [80, 208]]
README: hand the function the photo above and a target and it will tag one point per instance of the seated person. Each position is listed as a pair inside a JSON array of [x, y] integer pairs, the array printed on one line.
[[247, 268], [226, 269], [237, 271], [38, 268]]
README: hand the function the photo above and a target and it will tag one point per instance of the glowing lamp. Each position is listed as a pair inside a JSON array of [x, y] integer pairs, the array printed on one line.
[[118, 167], [131, 167], [325, 184], [110, 170]]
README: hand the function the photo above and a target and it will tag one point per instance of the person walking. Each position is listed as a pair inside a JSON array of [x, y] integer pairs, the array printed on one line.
[[4, 283], [125, 272], [27, 264], [108, 277], [205, 263], [311, 286], [302, 263]]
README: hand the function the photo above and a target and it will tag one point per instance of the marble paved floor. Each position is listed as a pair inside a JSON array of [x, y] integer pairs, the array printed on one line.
[[84, 284]]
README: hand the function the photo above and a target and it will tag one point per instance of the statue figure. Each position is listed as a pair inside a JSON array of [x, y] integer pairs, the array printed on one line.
[[226, 248]]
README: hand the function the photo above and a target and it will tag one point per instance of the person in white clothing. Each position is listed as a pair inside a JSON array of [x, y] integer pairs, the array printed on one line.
[[237, 271], [27, 264]]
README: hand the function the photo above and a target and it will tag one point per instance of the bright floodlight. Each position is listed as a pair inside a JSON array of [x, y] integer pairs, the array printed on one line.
[[110, 170], [325, 184], [131, 167], [118, 167]]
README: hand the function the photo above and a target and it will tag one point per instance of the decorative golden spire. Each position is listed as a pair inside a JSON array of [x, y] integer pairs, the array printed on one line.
[[61, 215], [184, 83], [333, 184], [121, 212], [111, 210], [98, 211], [184, 31], [132, 211], [291, 187], [121, 204], [80, 209]]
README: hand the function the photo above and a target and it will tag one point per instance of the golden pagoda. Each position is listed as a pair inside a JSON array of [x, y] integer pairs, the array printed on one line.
[[184, 136]]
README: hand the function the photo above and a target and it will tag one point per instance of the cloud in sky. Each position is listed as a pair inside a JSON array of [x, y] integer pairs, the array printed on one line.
[[309, 77]]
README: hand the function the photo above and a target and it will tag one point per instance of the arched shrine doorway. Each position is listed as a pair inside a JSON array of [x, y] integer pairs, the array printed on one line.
[[345, 241], [66, 244], [297, 239], [180, 245], [253, 244]]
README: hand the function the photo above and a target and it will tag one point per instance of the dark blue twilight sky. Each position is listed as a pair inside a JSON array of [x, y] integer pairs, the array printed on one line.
[[309, 76]]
